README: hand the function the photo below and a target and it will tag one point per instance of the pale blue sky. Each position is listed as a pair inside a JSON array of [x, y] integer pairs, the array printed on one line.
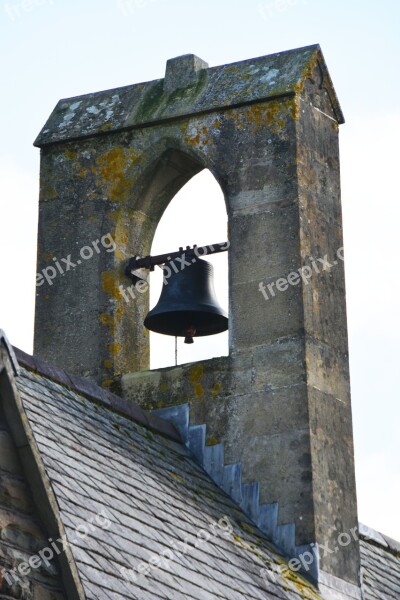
[[52, 49]]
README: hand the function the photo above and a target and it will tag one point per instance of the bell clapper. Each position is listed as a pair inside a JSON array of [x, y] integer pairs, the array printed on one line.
[[189, 333]]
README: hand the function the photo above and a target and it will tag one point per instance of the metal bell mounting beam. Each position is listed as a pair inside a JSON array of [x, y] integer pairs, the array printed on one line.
[[149, 262]]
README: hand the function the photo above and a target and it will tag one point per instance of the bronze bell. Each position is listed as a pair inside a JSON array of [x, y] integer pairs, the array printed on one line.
[[188, 306]]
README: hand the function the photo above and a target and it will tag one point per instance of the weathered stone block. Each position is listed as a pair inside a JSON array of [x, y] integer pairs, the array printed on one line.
[[279, 317], [328, 369], [269, 244], [278, 364], [331, 447], [183, 71]]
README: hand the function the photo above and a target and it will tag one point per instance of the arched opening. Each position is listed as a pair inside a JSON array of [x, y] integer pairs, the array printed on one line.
[[196, 215]]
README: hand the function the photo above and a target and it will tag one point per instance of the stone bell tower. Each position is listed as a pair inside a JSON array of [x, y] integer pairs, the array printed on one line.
[[277, 409]]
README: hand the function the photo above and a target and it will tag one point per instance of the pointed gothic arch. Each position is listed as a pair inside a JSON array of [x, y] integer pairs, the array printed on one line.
[[196, 214]]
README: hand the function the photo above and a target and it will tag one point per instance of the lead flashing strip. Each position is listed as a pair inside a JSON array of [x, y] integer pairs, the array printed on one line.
[[230, 479]]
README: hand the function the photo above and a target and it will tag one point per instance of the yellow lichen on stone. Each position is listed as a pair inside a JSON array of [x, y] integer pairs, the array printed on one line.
[[48, 193], [114, 215], [212, 441], [110, 284], [107, 383], [112, 166], [217, 387], [193, 140], [105, 127], [71, 154], [196, 373], [294, 108], [83, 172], [197, 137], [119, 312], [108, 363], [289, 577], [258, 116], [114, 348], [272, 112], [199, 390], [123, 237], [106, 319], [177, 477]]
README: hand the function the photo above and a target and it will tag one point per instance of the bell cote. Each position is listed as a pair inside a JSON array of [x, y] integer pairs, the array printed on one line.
[[267, 129]]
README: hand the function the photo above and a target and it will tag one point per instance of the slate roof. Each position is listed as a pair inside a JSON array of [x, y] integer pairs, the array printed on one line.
[[380, 565], [130, 495], [155, 497]]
